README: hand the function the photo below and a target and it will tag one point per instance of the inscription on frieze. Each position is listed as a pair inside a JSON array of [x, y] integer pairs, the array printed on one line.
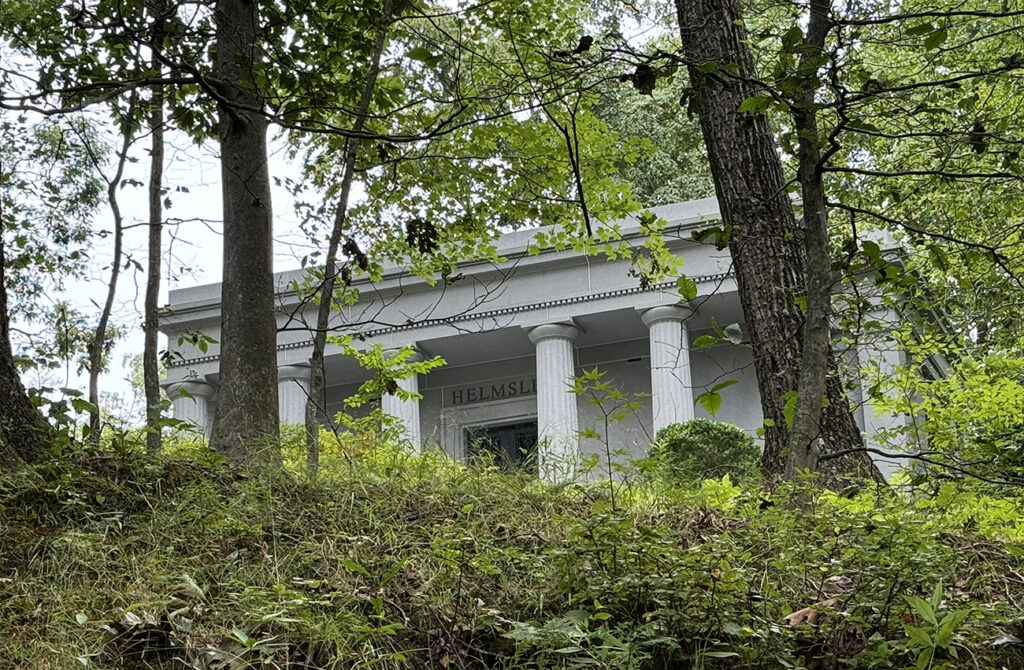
[[470, 394]]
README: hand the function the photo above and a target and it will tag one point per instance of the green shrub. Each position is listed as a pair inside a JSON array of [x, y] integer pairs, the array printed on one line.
[[703, 448]]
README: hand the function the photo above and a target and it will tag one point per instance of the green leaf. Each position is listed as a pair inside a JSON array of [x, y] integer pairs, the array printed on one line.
[[724, 385], [734, 333], [871, 250], [861, 124], [789, 408], [922, 608], [730, 628], [755, 104], [241, 636], [687, 288], [352, 566], [710, 401], [935, 39], [920, 29], [421, 54], [936, 599], [938, 257], [705, 341], [918, 635], [83, 405], [793, 36], [944, 633]]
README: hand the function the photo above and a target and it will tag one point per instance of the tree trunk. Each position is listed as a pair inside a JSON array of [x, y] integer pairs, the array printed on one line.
[[245, 426], [316, 381], [805, 440], [151, 315], [24, 433], [765, 242], [99, 339]]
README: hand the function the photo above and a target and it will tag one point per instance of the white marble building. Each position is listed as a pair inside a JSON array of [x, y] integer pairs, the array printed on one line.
[[512, 336]]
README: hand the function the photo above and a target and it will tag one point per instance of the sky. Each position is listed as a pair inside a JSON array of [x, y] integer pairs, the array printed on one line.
[[192, 243]]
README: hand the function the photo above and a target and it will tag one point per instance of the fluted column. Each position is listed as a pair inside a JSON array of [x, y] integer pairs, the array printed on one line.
[[292, 392], [406, 411], [671, 384], [191, 403], [557, 417]]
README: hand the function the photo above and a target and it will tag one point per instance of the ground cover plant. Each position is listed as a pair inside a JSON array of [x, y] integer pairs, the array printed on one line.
[[112, 558]]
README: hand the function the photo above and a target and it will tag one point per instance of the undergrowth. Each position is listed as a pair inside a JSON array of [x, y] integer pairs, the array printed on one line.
[[120, 560]]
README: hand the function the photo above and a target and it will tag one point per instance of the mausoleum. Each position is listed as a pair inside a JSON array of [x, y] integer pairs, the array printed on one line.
[[513, 336]]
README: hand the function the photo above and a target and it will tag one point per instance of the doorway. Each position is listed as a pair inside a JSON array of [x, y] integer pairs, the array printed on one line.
[[512, 446]]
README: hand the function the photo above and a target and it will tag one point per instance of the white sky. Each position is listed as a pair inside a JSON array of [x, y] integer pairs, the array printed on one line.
[[194, 242]]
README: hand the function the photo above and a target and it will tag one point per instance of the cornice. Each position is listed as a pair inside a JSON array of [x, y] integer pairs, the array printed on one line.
[[494, 313]]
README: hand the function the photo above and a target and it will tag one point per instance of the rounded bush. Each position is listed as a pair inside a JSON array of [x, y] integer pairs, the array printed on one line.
[[704, 449]]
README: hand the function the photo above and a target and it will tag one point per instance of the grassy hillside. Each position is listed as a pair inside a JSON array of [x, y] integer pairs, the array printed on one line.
[[118, 560]]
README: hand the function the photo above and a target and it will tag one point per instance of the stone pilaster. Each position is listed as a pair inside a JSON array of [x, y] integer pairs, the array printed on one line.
[[557, 418], [406, 411], [191, 403], [292, 393], [671, 384]]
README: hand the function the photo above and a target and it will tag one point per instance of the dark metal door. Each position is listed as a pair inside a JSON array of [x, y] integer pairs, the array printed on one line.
[[512, 446]]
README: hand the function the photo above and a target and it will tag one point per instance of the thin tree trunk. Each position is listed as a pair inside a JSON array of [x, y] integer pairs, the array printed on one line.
[[316, 381], [765, 242], [245, 427], [99, 339], [806, 438], [24, 432], [151, 318]]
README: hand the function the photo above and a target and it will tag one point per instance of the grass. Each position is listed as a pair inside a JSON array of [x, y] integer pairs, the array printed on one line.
[[120, 560]]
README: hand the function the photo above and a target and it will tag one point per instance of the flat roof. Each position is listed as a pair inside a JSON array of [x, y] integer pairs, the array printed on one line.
[[510, 245]]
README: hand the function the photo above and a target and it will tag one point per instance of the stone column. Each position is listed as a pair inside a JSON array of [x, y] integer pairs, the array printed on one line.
[[557, 418], [406, 411], [671, 385], [881, 357], [191, 403], [292, 392]]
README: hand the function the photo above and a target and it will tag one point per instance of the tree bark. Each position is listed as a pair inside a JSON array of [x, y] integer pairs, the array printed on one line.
[[24, 432], [316, 381], [765, 242], [806, 438], [245, 427], [151, 314], [99, 339]]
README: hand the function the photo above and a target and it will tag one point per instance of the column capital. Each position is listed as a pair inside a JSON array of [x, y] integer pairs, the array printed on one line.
[[299, 371], [193, 387], [653, 315], [564, 331]]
